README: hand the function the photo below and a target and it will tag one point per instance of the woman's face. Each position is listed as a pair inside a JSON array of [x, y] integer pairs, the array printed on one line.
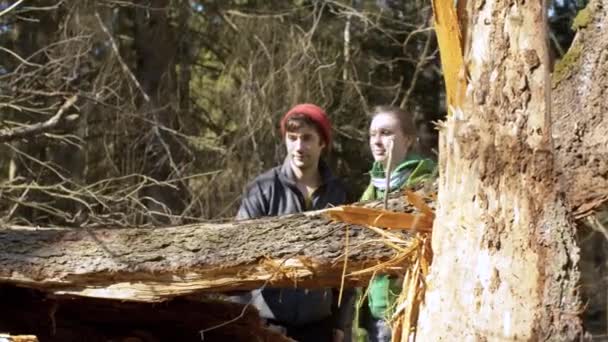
[[385, 127]]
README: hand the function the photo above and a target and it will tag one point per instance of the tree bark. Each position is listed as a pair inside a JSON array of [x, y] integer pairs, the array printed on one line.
[[580, 83], [156, 264], [505, 251], [580, 89]]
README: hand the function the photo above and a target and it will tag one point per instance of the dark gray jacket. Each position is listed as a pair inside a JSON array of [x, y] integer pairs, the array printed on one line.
[[275, 193]]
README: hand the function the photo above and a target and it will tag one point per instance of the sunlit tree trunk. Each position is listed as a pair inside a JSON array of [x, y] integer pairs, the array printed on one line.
[[505, 254]]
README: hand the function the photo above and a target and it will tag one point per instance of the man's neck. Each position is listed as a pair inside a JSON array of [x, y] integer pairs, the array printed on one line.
[[309, 177]]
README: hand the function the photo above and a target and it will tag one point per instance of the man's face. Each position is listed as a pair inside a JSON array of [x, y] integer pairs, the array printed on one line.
[[304, 146], [385, 127]]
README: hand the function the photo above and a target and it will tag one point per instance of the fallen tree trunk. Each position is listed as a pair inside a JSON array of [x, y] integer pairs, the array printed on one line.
[[157, 264], [18, 338], [27, 312], [304, 250]]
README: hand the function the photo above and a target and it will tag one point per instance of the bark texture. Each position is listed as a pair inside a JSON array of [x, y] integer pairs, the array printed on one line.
[[505, 254], [156, 264], [580, 92], [581, 111]]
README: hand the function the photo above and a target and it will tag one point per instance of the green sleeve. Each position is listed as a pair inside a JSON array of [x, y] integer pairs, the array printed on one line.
[[369, 193], [383, 293], [424, 171]]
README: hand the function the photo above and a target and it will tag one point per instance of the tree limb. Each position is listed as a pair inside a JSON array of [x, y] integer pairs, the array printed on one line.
[[41, 127]]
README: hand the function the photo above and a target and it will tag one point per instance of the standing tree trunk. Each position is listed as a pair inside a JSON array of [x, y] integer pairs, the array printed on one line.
[[505, 252], [580, 89], [156, 70]]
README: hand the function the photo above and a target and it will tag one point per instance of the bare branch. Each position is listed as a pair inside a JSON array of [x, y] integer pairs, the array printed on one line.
[[27, 131], [12, 53], [11, 7], [120, 60]]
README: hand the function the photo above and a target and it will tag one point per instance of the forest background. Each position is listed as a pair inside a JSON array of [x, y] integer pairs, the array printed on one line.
[[177, 103], [159, 112]]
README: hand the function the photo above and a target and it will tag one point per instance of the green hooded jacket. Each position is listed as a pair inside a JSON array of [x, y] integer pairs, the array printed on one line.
[[383, 291]]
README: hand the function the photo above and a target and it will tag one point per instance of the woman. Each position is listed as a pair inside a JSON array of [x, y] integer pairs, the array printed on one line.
[[392, 137]]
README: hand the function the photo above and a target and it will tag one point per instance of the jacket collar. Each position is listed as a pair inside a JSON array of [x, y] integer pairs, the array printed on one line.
[[410, 162]]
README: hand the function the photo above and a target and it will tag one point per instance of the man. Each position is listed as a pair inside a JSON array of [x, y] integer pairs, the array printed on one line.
[[304, 182]]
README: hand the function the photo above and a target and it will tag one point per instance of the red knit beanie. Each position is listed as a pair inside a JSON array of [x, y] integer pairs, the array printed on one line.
[[314, 113]]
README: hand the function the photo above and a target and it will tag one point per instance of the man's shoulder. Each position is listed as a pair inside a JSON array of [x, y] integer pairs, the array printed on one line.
[[265, 179], [337, 183], [328, 177], [335, 191]]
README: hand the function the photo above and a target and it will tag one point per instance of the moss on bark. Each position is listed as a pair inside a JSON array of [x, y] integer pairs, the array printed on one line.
[[564, 67], [583, 18]]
